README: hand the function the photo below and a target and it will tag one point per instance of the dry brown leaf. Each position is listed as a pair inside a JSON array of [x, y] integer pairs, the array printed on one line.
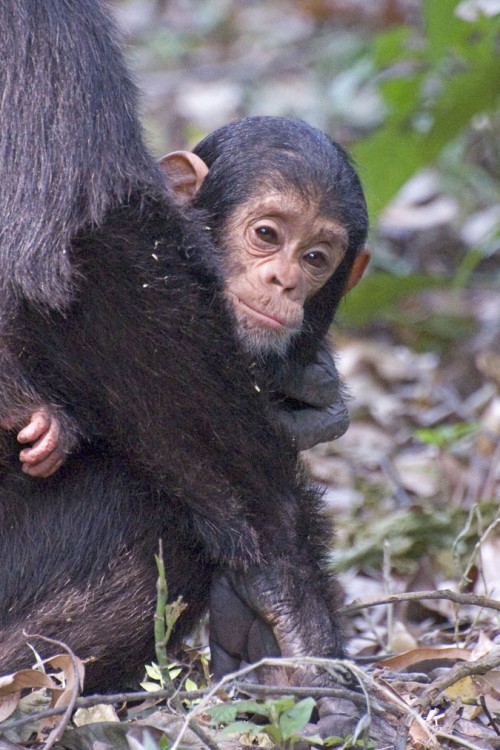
[[419, 736], [418, 472], [8, 704], [65, 663], [94, 714], [419, 655], [23, 679], [12, 685], [401, 640]]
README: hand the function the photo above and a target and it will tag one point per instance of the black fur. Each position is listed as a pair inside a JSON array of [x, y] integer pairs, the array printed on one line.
[[111, 310]]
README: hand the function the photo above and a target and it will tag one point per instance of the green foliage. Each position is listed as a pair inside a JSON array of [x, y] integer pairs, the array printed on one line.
[[445, 435], [286, 719], [432, 86], [165, 617], [411, 532], [163, 674], [378, 294]]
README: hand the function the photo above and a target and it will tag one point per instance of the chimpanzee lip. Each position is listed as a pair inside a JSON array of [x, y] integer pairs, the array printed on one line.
[[263, 318]]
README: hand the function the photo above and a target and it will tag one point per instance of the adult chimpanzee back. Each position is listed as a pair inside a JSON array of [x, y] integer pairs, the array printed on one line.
[[110, 309]]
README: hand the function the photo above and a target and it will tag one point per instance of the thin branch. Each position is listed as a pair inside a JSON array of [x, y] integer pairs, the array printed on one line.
[[458, 672], [463, 743], [159, 695], [448, 594], [261, 691], [60, 728]]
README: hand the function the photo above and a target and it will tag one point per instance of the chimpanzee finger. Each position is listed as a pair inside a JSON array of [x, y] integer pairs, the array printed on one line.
[[317, 384], [230, 623], [237, 634], [310, 426], [261, 641]]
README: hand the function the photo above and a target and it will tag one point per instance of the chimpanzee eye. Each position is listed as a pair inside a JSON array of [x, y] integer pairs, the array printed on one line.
[[266, 233], [316, 259]]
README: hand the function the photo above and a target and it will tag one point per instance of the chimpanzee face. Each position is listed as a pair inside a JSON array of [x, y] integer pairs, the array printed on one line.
[[279, 251]]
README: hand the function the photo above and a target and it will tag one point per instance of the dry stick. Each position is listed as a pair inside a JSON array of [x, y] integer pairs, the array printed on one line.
[[452, 596], [492, 722], [230, 678], [458, 672], [490, 483], [261, 691], [327, 664], [459, 740], [422, 704], [59, 729], [482, 666], [160, 695]]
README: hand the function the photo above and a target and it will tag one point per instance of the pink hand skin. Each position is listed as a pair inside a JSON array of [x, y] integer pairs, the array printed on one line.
[[44, 456]]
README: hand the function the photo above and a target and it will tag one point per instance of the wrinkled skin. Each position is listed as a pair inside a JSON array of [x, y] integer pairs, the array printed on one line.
[[281, 251], [310, 405], [49, 443]]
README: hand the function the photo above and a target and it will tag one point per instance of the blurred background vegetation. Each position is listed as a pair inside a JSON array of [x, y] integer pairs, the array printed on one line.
[[410, 87]]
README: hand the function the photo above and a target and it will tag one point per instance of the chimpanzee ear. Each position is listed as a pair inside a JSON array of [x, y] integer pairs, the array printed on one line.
[[185, 172], [358, 268]]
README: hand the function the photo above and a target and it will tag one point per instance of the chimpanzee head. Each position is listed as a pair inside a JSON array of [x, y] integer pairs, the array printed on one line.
[[288, 217]]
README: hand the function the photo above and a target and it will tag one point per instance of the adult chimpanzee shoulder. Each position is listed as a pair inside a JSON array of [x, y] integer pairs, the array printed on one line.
[[112, 311]]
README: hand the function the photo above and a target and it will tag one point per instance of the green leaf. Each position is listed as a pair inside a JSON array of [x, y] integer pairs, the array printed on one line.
[[391, 46], [228, 712], [442, 26], [445, 435], [294, 719], [454, 77], [279, 705], [242, 727], [153, 671], [150, 687]]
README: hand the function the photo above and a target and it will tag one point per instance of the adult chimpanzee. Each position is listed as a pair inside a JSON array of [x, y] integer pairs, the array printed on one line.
[[271, 230], [112, 311]]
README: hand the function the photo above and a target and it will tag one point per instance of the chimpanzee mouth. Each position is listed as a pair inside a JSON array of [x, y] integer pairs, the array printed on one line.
[[264, 319]]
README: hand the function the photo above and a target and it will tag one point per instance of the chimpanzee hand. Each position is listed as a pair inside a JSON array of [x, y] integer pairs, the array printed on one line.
[[50, 443], [237, 634], [317, 412]]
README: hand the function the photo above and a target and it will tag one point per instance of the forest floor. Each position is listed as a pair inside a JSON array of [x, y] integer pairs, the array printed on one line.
[[414, 484]]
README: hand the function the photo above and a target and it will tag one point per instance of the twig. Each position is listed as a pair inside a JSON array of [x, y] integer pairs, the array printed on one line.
[[491, 721], [452, 596], [458, 672], [330, 665], [262, 691], [160, 695], [60, 728], [458, 741]]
